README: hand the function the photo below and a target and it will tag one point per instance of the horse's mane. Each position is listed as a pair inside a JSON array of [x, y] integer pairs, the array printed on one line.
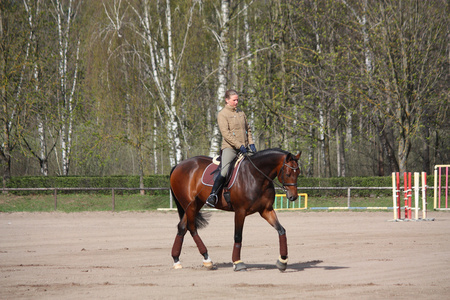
[[269, 152]]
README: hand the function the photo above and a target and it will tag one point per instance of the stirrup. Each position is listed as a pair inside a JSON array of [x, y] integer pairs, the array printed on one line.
[[211, 198]]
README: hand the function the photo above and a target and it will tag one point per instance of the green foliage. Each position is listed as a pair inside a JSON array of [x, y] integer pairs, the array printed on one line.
[[303, 71]]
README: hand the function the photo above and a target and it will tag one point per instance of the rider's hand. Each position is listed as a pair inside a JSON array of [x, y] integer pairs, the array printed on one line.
[[253, 148], [243, 149]]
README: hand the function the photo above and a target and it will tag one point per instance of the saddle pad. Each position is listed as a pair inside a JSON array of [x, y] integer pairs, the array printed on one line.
[[216, 160], [208, 176]]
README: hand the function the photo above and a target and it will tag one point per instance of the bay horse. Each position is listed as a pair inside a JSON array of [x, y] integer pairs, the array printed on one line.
[[252, 191]]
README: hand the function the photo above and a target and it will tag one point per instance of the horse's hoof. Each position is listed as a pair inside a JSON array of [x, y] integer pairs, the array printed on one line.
[[239, 266], [177, 266], [208, 264], [281, 264]]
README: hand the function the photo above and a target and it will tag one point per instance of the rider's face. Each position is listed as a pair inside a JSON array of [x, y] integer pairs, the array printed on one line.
[[232, 101]]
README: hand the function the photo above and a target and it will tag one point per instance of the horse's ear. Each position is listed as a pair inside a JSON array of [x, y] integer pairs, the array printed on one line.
[[289, 157], [298, 155]]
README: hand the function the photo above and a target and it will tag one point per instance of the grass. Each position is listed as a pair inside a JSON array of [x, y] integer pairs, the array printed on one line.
[[82, 202], [354, 202]]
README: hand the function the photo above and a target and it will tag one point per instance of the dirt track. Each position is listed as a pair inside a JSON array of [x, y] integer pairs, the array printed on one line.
[[102, 255]]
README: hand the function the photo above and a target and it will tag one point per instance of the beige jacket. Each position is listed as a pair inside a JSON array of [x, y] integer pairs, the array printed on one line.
[[234, 128]]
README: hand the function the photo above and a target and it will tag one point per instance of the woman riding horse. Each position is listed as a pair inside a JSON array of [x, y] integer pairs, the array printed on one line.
[[236, 136], [253, 191]]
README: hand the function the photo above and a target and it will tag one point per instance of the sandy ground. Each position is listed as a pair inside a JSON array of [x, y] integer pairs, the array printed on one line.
[[332, 255]]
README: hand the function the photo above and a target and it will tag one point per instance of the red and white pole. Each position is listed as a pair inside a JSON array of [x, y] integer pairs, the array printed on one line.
[[424, 195], [398, 196], [416, 195], [409, 196]]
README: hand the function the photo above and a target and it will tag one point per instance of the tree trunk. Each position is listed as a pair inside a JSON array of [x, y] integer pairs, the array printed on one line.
[[324, 146], [311, 148], [380, 150], [340, 152], [426, 147], [173, 124], [327, 161], [249, 70], [223, 73], [141, 168], [33, 12], [155, 143], [5, 163], [64, 15], [404, 147]]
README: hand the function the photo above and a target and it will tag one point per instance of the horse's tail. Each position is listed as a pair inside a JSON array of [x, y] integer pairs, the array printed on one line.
[[201, 221]]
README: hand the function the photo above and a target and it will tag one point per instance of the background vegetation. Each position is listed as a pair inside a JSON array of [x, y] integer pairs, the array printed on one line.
[[96, 88]]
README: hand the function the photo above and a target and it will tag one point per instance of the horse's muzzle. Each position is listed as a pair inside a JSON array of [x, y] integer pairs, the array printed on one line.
[[292, 197]]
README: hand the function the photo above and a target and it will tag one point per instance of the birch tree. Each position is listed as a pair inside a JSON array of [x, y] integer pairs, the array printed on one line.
[[68, 62], [162, 62], [15, 47], [223, 41], [42, 105]]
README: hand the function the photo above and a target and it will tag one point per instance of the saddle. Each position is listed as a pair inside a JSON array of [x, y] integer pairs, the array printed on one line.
[[213, 169]]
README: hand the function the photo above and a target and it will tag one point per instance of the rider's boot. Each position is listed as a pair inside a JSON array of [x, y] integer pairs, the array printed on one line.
[[212, 199]]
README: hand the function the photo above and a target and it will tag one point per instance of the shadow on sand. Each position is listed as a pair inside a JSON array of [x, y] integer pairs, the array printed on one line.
[[291, 267]]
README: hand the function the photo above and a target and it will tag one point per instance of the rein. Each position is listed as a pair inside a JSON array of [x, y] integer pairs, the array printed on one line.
[[283, 186]]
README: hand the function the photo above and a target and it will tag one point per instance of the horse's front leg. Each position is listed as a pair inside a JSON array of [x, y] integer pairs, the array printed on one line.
[[271, 217], [238, 264]]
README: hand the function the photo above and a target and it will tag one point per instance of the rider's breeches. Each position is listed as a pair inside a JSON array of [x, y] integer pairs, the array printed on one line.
[[228, 154]]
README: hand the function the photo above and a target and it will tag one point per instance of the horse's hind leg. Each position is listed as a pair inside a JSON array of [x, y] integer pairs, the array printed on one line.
[[271, 217], [207, 263], [178, 243], [191, 226], [188, 223]]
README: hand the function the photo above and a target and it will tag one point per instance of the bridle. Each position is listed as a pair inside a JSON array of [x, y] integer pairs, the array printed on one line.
[[283, 184], [281, 170]]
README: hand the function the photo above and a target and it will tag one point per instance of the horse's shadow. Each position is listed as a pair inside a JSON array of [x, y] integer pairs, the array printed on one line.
[[293, 267]]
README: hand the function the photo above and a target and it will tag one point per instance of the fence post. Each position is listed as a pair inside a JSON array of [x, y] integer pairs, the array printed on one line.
[[348, 197], [54, 196], [113, 200]]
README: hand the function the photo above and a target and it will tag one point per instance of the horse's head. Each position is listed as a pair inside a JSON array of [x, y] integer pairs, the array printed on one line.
[[288, 175]]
